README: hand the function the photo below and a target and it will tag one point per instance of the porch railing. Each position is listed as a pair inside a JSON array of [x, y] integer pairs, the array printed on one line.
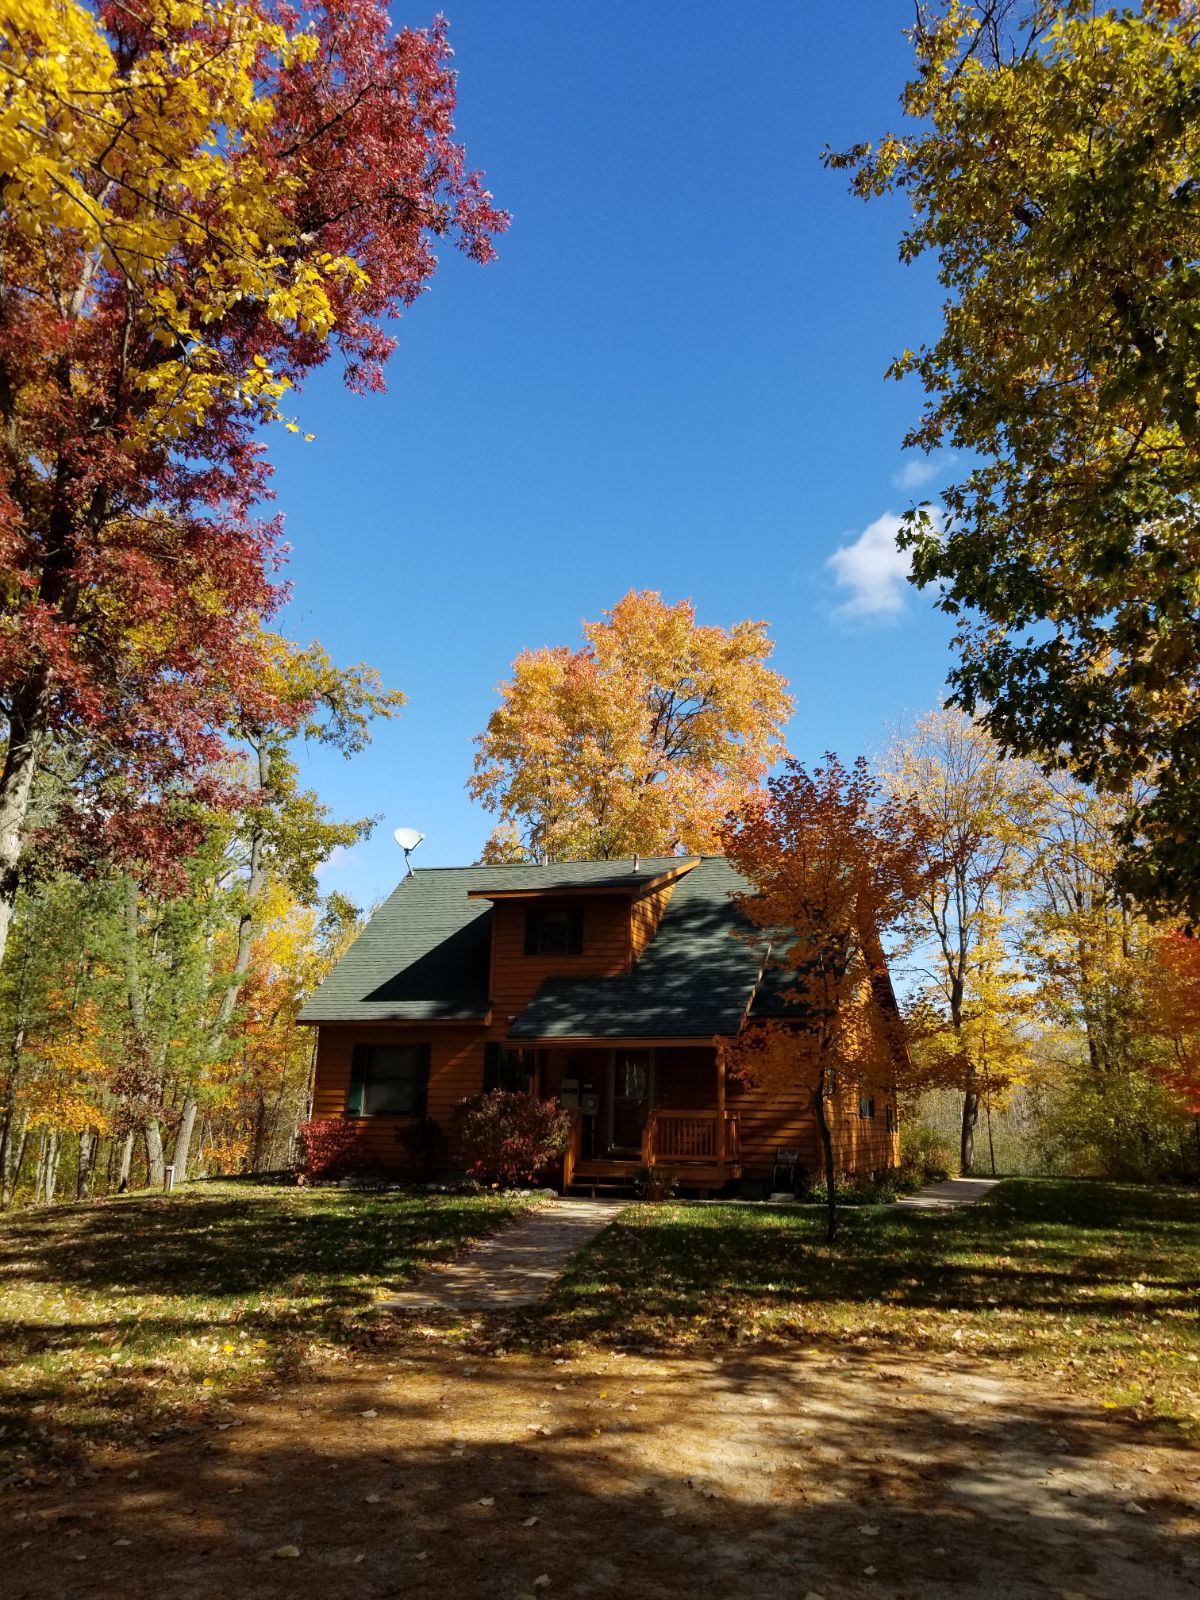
[[706, 1138]]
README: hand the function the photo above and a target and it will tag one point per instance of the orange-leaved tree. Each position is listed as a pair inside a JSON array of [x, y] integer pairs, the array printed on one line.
[[833, 865], [638, 742]]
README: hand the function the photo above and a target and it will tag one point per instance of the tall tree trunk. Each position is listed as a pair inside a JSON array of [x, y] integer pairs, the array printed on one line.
[[53, 1155], [151, 1130], [183, 1138], [126, 1162], [970, 1119], [88, 1142], [970, 1105], [39, 1170], [822, 1111], [26, 732], [10, 1174], [156, 1164], [255, 884]]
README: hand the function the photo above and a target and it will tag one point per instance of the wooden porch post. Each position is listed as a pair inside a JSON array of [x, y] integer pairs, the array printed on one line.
[[720, 1108]]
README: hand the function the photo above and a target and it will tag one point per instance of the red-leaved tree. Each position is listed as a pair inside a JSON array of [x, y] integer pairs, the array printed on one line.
[[199, 203]]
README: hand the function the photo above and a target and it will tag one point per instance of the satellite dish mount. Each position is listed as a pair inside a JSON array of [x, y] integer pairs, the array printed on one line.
[[408, 839]]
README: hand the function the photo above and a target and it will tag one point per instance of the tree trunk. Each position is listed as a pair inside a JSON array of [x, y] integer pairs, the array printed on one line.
[[88, 1142], [26, 729], [42, 1168], [126, 1163], [11, 1174], [202, 1150], [53, 1154], [970, 1118], [183, 1138], [830, 1174], [156, 1164]]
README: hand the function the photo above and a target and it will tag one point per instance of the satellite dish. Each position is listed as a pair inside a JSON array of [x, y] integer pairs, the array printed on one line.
[[408, 839]]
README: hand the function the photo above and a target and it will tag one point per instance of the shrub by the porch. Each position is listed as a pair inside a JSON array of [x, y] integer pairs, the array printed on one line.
[[328, 1148], [511, 1138]]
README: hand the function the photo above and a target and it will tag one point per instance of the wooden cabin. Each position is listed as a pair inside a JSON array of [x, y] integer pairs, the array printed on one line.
[[606, 984]]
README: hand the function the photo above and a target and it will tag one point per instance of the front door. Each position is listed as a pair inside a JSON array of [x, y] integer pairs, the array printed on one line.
[[630, 1100]]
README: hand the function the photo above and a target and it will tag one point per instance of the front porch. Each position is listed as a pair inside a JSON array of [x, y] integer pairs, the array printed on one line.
[[698, 1148], [636, 1106]]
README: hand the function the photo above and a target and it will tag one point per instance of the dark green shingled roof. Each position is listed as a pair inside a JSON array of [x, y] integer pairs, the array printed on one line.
[[424, 955], [564, 876], [696, 978]]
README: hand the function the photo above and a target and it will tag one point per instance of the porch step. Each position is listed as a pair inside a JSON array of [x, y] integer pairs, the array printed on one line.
[[603, 1176]]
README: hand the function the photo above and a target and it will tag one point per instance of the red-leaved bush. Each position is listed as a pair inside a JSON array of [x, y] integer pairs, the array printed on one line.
[[511, 1138], [328, 1148]]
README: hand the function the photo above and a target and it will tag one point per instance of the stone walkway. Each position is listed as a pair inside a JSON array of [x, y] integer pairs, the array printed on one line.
[[514, 1267], [947, 1196]]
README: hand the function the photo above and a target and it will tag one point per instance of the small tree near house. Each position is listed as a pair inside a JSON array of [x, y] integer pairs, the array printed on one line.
[[833, 865]]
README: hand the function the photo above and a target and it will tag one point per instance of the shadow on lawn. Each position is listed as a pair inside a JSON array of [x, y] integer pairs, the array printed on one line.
[[235, 1245], [115, 1314], [1076, 1252], [757, 1476]]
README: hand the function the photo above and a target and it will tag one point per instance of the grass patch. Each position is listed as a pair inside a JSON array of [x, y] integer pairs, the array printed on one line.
[[1092, 1284], [128, 1319]]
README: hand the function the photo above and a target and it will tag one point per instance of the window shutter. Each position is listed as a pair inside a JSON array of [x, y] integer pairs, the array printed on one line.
[[575, 931], [491, 1066], [358, 1079], [531, 931], [421, 1081]]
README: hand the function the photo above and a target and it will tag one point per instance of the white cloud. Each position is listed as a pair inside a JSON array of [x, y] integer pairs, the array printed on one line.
[[915, 474], [872, 571], [337, 860]]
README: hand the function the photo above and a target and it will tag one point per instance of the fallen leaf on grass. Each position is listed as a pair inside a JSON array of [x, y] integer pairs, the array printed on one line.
[[343, 1558]]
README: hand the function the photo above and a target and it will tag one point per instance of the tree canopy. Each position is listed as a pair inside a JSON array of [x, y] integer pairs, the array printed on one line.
[[640, 741], [200, 203], [1052, 162]]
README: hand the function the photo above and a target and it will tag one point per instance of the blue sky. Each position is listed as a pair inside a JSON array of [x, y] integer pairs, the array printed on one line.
[[671, 379]]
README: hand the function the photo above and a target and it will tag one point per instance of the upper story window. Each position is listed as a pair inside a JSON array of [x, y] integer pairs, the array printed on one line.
[[554, 930]]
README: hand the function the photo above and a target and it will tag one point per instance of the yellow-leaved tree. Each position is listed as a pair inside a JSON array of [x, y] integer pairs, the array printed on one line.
[[641, 741], [981, 808]]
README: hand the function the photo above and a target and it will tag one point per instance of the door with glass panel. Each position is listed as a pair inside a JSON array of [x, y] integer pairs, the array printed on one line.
[[629, 1101]]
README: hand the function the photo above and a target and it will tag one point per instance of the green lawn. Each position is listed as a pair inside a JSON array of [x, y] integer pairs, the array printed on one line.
[[122, 1320], [1093, 1285]]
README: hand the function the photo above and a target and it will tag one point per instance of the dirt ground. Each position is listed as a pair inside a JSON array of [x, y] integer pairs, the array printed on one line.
[[420, 1470]]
